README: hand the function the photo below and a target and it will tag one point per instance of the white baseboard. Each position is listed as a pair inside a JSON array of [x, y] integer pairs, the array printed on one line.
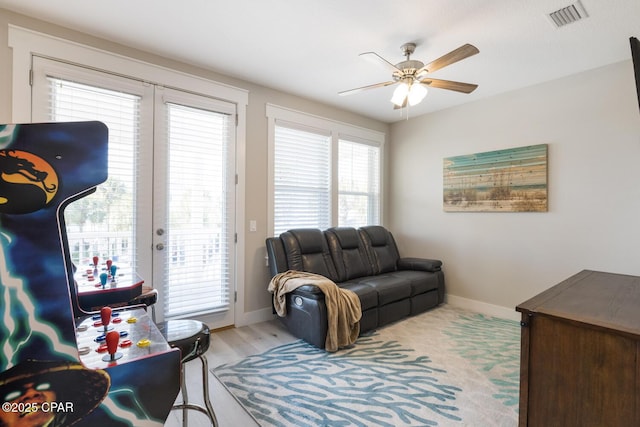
[[483, 307], [265, 314]]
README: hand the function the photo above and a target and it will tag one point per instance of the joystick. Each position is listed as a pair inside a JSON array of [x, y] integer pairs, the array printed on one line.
[[113, 338], [109, 262], [95, 262], [113, 270], [105, 316], [103, 279]]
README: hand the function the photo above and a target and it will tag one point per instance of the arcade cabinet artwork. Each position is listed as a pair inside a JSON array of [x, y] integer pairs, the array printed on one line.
[[61, 365]]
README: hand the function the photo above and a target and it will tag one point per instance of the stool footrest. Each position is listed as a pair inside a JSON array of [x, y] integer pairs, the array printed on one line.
[[191, 406]]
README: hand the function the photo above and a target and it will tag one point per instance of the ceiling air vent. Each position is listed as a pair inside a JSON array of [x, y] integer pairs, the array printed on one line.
[[568, 15]]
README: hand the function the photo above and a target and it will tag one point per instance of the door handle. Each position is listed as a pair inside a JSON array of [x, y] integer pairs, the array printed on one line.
[[160, 246]]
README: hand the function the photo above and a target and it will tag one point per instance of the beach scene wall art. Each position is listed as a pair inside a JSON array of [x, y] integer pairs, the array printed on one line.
[[510, 180]]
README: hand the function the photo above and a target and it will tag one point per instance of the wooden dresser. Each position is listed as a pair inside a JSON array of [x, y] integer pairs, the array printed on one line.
[[580, 363]]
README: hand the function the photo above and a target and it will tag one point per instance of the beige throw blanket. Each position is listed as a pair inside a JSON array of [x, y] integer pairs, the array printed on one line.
[[343, 306]]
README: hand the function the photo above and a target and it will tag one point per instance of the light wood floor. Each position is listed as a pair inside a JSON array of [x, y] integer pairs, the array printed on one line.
[[227, 346]]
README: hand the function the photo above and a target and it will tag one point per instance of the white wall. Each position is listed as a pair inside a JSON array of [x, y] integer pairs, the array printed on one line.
[[591, 122]]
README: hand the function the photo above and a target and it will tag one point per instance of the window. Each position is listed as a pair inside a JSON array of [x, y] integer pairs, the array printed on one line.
[[102, 224], [358, 184], [323, 173], [302, 179]]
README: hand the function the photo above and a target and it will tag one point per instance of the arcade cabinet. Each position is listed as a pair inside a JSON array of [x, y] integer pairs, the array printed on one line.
[[61, 365]]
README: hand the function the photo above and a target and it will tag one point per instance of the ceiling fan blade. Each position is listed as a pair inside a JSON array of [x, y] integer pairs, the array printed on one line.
[[360, 89], [454, 56], [379, 60], [449, 85]]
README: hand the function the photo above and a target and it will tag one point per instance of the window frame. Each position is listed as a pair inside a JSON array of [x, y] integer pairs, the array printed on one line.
[[337, 131]]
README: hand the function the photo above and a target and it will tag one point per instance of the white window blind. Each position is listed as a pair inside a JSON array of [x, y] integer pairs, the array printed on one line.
[[199, 157], [302, 179], [102, 224], [358, 184]]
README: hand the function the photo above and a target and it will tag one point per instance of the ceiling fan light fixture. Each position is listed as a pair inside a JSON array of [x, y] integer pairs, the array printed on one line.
[[417, 92], [400, 94], [412, 77]]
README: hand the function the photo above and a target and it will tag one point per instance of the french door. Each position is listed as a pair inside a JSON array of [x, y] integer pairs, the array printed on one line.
[[167, 209], [194, 184]]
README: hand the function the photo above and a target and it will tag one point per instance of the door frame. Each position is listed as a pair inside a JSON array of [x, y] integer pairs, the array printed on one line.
[[159, 215]]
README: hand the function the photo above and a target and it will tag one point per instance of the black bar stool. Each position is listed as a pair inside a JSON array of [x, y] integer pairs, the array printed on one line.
[[192, 338], [148, 297]]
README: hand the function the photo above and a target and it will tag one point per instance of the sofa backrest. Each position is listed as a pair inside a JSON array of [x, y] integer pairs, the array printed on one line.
[[348, 253], [307, 250], [381, 248], [339, 253]]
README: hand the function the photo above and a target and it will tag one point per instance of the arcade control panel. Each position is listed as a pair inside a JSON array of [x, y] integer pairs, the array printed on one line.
[[117, 336], [100, 275], [106, 282]]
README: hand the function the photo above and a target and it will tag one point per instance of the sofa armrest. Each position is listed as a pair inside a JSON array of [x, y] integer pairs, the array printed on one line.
[[421, 264], [308, 291]]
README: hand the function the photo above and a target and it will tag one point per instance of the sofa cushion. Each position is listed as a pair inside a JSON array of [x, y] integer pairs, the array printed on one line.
[[381, 248], [421, 281], [389, 288], [367, 295], [307, 250], [348, 253]]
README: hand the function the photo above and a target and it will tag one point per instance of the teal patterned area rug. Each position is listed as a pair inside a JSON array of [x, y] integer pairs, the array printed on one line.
[[446, 367]]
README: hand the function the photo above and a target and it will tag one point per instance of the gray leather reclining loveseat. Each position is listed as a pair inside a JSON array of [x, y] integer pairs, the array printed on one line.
[[364, 260]]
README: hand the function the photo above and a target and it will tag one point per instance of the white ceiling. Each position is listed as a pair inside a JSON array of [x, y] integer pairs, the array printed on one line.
[[311, 47]]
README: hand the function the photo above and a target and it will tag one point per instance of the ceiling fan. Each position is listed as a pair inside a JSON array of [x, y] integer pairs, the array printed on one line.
[[412, 76]]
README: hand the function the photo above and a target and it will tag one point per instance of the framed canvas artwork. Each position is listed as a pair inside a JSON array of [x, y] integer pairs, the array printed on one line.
[[510, 180]]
